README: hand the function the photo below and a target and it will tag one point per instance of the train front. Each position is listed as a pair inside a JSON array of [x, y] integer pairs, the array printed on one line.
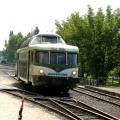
[[55, 66]]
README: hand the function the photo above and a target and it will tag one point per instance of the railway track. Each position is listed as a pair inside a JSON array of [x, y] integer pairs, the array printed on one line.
[[99, 95], [108, 93], [65, 106]]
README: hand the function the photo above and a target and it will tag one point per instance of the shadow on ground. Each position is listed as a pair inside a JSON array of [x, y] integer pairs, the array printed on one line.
[[45, 91]]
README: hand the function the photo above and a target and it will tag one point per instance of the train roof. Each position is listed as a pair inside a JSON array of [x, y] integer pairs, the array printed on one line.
[[48, 34], [49, 43], [43, 38], [55, 47], [51, 47]]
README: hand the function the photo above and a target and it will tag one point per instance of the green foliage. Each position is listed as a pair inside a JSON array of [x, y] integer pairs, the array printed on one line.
[[35, 31], [96, 34], [113, 78], [98, 38], [14, 42], [12, 45], [115, 71]]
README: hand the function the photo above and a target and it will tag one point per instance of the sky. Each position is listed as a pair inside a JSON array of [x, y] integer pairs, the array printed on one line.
[[24, 15]]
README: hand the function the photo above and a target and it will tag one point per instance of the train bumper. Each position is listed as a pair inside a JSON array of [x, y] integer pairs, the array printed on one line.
[[54, 82]]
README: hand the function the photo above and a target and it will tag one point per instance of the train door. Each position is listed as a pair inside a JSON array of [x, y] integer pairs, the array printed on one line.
[[30, 64], [17, 65], [23, 63]]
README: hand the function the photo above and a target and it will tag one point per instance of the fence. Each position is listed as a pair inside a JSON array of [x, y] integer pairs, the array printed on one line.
[[100, 81]]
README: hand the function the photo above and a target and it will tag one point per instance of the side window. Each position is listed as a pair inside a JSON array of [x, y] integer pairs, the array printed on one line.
[[72, 59]]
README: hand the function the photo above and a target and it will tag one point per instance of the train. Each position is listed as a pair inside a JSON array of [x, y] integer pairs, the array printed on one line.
[[46, 60]]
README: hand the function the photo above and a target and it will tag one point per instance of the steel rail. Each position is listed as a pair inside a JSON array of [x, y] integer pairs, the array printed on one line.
[[91, 90], [31, 99], [34, 99], [97, 97], [99, 111], [19, 90], [66, 110], [95, 112], [111, 93]]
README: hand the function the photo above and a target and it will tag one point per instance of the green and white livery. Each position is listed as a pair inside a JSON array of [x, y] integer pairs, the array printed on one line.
[[46, 60]]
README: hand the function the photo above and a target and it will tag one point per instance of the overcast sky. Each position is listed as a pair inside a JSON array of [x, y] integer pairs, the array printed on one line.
[[24, 15]]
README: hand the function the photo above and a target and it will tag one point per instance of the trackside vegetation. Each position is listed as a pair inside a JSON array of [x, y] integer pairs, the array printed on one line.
[[98, 37], [97, 34]]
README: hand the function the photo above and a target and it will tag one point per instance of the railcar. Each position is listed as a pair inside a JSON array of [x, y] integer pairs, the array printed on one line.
[[46, 60]]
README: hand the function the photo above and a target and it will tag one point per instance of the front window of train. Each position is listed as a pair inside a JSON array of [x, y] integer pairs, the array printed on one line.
[[58, 58]]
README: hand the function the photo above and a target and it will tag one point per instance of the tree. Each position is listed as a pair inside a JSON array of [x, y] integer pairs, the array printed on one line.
[[98, 38], [11, 33], [12, 45], [35, 31]]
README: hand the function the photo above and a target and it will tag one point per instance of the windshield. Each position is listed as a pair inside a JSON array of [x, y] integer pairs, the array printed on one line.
[[57, 58], [47, 39], [72, 59], [42, 57]]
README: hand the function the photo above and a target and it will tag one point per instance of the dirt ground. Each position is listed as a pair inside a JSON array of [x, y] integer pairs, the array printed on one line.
[[10, 106]]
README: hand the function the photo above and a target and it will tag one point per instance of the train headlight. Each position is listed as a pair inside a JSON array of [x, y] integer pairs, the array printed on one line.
[[74, 73], [41, 71]]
